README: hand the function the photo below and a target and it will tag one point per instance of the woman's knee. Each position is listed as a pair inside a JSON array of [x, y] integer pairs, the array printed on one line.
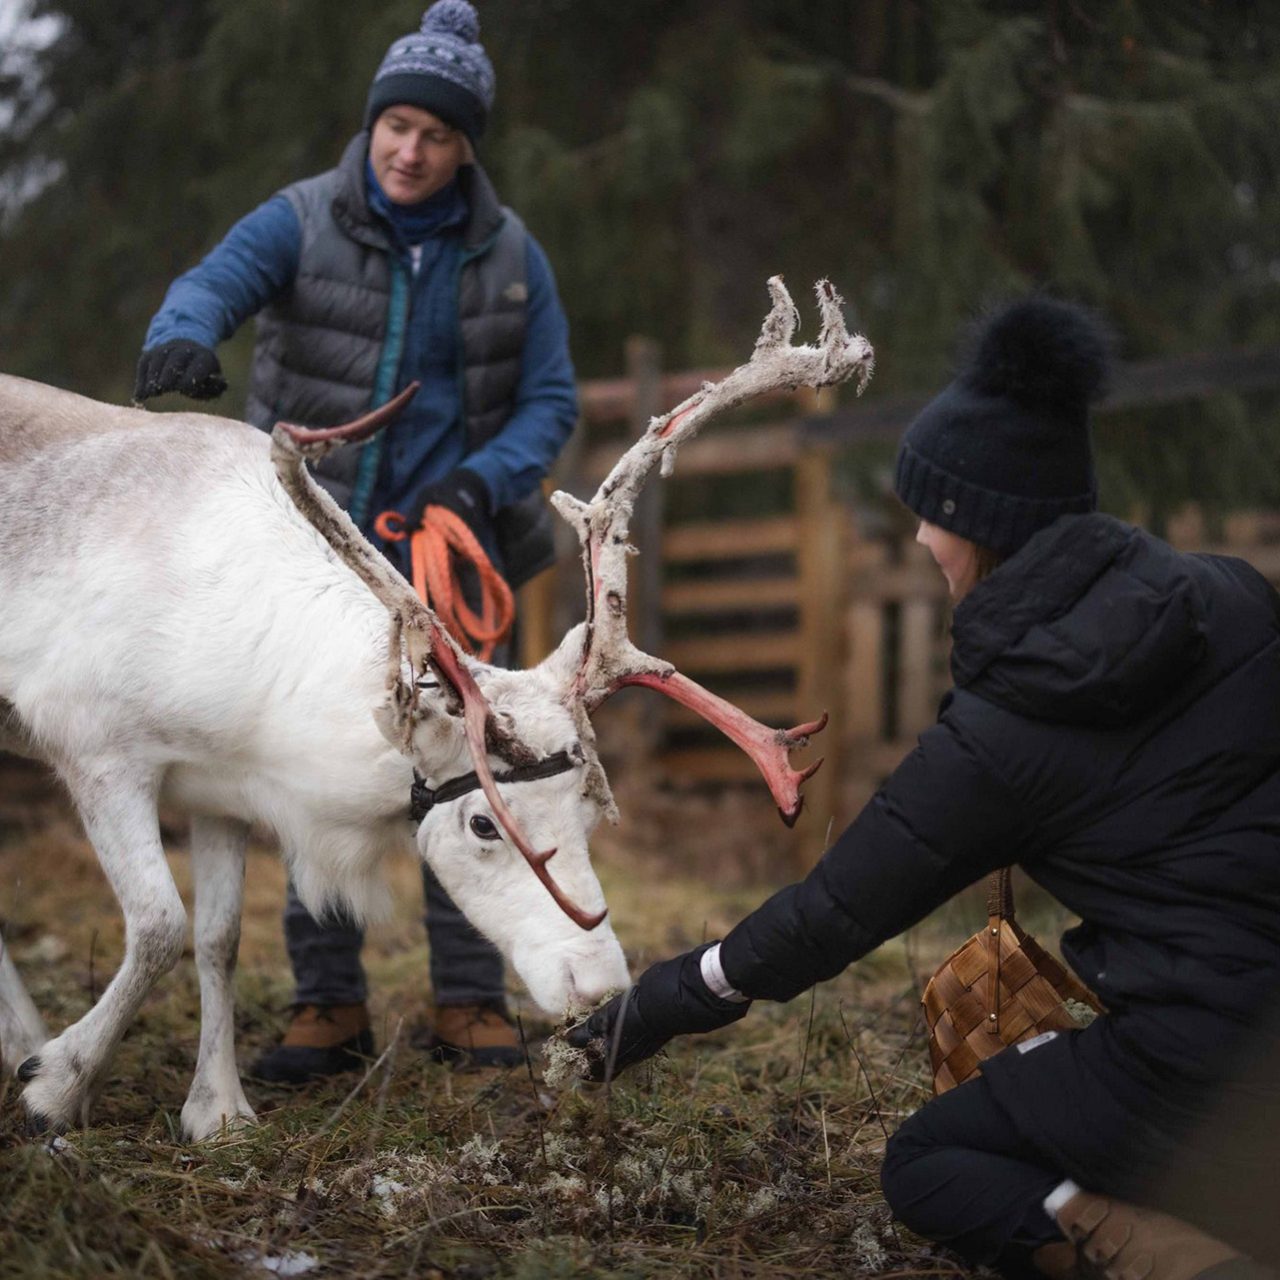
[[903, 1179], [951, 1175]]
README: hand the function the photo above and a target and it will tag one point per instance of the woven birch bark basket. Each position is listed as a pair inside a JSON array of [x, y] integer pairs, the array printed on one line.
[[998, 988]]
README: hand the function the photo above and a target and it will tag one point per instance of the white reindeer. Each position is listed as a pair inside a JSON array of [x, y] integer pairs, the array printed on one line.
[[185, 615]]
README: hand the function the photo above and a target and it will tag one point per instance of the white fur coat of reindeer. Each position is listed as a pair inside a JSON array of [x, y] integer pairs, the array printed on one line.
[[185, 615]]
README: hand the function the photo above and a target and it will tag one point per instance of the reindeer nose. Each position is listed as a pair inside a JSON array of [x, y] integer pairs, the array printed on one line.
[[591, 978]]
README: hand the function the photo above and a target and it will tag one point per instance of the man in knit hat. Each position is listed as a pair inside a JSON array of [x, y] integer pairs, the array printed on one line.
[[398, 265]]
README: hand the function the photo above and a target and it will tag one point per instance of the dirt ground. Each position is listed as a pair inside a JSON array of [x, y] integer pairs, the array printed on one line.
[[749, 1153]]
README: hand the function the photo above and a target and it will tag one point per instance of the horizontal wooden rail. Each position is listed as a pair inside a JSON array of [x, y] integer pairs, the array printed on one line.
[[880, 758], [890, 582], [764, 652], [730, 539], [730, 450], [614, 399], [709, 764], [729, 595], [1265, 558]]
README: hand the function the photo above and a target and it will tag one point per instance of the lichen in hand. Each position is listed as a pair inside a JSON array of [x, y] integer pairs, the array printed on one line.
[[564, 1063]]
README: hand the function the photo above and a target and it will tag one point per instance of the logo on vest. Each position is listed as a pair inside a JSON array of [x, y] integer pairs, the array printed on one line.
[[517, 291]]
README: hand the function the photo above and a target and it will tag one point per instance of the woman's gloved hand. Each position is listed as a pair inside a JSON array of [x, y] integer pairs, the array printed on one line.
[[669, 999], [180, 365], [462, 491]]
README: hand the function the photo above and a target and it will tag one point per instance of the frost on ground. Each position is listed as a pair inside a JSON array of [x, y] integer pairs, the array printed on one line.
[[868, 1248], [292, 1262], [643, 1183]]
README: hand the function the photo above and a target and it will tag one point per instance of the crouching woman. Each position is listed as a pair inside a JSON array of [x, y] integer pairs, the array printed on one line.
[[1114, 728]]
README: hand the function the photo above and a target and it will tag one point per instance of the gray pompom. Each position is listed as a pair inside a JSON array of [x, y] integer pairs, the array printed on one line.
[[452, 17]]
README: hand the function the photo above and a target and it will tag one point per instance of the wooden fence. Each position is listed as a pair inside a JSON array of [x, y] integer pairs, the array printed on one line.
[[790, 612]]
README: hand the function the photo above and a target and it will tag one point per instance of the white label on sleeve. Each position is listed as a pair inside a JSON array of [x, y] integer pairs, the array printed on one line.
[[713, 976], [1035, 1042]]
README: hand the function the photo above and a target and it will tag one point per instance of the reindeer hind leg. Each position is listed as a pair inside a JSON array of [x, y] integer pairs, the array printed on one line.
[[216, 1098], [22, 1031]]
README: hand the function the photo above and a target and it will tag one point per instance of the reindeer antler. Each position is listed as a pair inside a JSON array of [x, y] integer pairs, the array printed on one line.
[[418, 640], [609, 659]]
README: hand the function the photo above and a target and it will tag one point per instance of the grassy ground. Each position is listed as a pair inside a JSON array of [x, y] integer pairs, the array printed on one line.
[[750, 1153]]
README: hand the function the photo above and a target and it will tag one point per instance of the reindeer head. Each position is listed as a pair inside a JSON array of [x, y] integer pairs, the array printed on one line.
[[549, 925], [535, 789]]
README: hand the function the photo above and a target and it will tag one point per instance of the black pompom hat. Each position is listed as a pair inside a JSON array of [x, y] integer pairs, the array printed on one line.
[[1004, 450]]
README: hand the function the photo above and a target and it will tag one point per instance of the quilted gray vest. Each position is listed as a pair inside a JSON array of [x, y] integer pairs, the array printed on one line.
[[318, 346]]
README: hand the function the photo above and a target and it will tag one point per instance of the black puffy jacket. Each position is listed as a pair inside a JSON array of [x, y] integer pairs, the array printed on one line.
[[1114, 729]]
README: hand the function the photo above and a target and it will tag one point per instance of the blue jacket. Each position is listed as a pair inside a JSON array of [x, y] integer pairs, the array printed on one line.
[[258, 260]]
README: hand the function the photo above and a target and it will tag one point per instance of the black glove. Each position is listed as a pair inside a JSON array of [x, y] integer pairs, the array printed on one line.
[[180, 365], [669, 999], [462, 491]]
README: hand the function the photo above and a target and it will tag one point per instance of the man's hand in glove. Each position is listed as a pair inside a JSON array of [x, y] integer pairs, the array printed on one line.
[[669, 999], [182, 366], [462, 491]]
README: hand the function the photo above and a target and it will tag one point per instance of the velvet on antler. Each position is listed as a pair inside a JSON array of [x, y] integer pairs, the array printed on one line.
[[609, 660], [419, 642]]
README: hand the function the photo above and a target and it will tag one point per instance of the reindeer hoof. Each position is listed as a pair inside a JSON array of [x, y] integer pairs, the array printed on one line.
[[29, 1069]]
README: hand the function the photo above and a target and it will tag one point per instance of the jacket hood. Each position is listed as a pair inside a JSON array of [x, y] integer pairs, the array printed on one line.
[[1089, 623]]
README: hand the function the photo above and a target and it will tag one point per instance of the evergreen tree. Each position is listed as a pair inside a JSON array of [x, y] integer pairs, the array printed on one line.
[[671, 155]]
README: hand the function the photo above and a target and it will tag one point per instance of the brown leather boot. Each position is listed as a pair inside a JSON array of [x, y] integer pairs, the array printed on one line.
[[322, 1040], [1112, 1240], [478, 1035]]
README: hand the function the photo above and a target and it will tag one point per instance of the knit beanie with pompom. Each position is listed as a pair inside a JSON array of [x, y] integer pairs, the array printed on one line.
[[442, 68], [1004, 450]]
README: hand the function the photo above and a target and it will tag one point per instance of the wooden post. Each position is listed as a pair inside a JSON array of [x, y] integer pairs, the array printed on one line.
[[821, 561], [917, 692], [645, 576], [644, 368], [535, 618], [864, 685]]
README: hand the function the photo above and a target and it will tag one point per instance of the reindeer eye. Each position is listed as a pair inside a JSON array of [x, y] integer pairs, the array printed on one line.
[[483, 827]]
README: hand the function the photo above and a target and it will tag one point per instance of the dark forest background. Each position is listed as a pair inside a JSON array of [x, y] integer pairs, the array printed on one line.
[[927, 155]]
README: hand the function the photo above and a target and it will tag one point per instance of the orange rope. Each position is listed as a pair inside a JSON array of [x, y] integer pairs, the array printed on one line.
[[434, 550]]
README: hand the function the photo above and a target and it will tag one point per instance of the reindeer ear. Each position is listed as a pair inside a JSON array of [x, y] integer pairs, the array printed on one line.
[[561, 666], [384, 717], [432, 705]]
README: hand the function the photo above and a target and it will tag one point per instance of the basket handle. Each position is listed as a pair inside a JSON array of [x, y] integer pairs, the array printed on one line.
[[1000, 894], [999, 909]]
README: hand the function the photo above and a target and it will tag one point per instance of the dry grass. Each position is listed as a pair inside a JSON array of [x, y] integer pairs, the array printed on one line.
[[753, 1153]]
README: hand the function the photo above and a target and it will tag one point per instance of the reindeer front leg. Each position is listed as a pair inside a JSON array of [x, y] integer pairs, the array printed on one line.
[[118, 807], [217, 865]]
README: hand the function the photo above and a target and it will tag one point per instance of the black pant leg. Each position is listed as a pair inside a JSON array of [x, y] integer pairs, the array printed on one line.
[[325, 957], [958, 1172]]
